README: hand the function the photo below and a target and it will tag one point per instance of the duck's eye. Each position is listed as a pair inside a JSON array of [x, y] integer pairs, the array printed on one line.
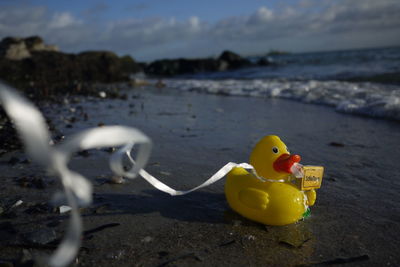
[[275, 150]]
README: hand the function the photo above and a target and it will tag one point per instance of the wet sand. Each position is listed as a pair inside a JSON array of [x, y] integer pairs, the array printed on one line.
[[354, 221]]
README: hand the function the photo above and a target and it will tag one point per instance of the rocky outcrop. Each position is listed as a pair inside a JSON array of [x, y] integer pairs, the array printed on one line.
[[30, 64], [19, 48], [233, 61], [169, 67]]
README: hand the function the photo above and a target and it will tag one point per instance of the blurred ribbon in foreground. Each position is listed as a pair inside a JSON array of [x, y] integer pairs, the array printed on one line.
[[32, 129]]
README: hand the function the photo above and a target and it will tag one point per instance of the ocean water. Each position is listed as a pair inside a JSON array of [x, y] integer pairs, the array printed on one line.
[[315, 78]]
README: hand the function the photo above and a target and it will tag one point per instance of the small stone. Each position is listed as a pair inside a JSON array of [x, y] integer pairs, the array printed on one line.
[[64, 209], [102, 94], [16, 204], [110, 149], [165, 173], [336, 144], [250, 237], [116, 179], [236, 223], [116, 255], [147, 239], [42, 236]]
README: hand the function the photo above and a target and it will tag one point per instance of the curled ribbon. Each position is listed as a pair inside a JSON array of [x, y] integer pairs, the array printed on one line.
[[32, 129]]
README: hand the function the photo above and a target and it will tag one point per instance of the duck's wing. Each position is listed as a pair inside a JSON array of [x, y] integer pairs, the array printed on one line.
[[311, 197], [254, 198]]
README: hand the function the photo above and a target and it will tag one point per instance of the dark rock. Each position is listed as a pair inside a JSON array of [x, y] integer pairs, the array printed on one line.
[[233, 60], [14, 49], [35, 43], [83, 153], [20, 48], [336, 144], [41, 237], [263, 62], [169, 67], [129, 65], [100, 66]]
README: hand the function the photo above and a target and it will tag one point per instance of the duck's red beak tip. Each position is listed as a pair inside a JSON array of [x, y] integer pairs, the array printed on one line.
[[285, 162]]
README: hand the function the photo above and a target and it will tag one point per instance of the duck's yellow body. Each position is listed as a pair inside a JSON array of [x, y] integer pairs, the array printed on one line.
[[273, 202]]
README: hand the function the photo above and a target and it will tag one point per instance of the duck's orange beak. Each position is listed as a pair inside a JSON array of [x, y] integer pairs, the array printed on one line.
[[285, 162]]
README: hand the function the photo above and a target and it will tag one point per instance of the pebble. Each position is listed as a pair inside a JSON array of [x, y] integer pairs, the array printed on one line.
[[64, 209], [16, 204], [116, 255], [102, 94], [250, 237], [42, 236], [116, 179], [237, 222], [336, 144], [147, 239], [84, 153]]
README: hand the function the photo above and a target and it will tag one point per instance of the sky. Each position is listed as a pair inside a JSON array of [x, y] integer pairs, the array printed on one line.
[[156, 29]]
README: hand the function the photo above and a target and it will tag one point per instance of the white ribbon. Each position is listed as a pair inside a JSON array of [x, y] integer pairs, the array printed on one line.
[[32, 129], [214, 178]]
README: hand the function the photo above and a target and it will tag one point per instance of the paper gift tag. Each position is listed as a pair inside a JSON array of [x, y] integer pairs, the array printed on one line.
[[312, 178]]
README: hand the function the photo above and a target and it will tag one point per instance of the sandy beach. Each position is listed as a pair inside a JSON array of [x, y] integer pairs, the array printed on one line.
[[355, 220]]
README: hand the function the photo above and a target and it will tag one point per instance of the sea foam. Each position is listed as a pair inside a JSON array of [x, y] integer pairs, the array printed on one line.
[[369, 99]]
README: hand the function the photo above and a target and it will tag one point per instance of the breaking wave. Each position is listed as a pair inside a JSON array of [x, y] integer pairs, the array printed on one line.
[[368, 99]]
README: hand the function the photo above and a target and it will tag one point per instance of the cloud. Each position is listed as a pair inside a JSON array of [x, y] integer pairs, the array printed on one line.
[[63, 20], [308, 25]]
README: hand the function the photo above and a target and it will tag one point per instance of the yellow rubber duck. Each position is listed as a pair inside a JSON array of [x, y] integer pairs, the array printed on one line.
[[276, 201]]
